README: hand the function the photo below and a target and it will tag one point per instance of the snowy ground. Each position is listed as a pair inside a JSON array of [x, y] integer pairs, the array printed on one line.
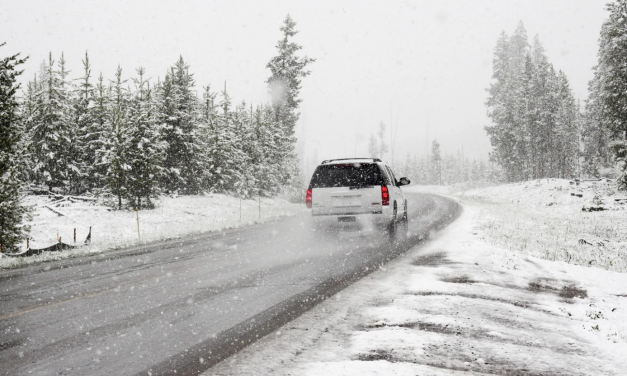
[[471, 299], [546, 219], [173, 217]]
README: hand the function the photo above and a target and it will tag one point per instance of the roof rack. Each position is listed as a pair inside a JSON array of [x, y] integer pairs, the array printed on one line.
[[349, 159]]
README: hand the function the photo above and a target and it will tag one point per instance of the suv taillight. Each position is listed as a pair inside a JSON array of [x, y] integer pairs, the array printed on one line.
[[385, 195], [308, 199]]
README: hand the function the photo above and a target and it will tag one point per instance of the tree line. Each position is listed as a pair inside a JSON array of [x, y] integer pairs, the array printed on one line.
[[605, 119], [133, 140], [129, 139], [539, 130], [447, 169], [535, 117]]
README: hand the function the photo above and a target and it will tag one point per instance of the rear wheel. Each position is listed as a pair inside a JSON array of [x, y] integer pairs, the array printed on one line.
[[393, 225], [403, 227], [397, 229], [405, 213]]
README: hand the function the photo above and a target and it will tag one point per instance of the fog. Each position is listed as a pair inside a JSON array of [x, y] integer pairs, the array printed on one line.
[[420, 65]]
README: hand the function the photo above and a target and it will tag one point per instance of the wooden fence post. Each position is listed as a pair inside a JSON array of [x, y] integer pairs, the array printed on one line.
[[74, 234], [138, 234]]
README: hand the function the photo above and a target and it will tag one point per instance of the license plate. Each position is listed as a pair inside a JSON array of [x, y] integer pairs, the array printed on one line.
[[346, 201], [346, 219]]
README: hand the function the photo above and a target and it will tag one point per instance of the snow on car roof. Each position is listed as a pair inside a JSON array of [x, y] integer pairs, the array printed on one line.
[[350, 160]]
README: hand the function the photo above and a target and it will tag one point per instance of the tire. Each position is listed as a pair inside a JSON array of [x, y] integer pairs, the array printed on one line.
[[405, 218], [397, 229], [403, 227], [393, 225]]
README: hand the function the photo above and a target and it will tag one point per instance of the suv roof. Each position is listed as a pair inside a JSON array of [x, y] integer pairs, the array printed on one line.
[[349, 160]]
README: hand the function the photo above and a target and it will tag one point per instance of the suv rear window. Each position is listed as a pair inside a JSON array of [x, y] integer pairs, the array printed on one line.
[[347, 175]]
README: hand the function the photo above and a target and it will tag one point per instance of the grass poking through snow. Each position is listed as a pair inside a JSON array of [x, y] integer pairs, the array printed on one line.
[[544, 218]]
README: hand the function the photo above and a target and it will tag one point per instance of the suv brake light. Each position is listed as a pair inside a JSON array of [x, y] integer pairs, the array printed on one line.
[[308, 199], [385, 195]]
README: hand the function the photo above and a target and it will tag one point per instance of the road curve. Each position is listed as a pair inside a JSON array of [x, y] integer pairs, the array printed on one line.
[[181, 306]]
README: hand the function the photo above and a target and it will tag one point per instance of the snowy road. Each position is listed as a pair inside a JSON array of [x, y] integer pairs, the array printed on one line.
[[184, 305]]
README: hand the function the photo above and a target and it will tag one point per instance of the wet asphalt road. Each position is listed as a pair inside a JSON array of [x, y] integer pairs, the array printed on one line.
[[180, 306]]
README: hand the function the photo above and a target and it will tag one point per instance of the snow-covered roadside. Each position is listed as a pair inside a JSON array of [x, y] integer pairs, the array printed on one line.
[[551, 219], [454, 305], [173, 217], [546, 219]]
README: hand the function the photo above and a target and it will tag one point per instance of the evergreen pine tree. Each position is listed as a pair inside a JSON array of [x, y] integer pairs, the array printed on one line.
[[502, 132], [70, 150], [226, 153], [567, 135], [287, 69], [251, 151], [611, 78], [97, 137], [435, 164], [29, 115], [114, 154], [178, 118], [12, 157], [145, 149], [595, 132], [50, 134], [383, 147], [269, 139], [373, 148], [285, 82], [86, 130], [207, 129], [534, 132]]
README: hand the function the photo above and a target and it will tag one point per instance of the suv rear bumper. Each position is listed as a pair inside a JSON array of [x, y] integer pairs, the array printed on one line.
[[344, 214], [378, 210], [382, 215], [363, 221]]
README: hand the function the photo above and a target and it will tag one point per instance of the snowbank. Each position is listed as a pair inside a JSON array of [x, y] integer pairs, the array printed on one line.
[[553, 219], [111, 229], [548, 219]]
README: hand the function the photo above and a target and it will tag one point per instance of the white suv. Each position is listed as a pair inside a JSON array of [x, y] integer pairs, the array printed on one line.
[[358, 187]]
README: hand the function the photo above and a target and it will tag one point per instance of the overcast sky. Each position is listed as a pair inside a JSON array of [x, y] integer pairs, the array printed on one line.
[[417, 62]]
